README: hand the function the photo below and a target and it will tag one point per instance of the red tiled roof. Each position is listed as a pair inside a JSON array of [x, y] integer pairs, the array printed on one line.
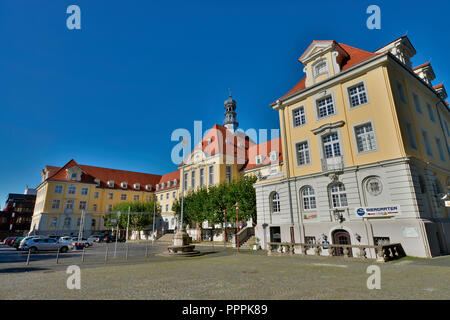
[[356, 56], [169, 177], [264, 149], [438, 86], [421, 66], [219, 136], [90, 173]]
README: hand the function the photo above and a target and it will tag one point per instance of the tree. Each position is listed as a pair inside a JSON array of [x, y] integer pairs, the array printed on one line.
[[141, 214]]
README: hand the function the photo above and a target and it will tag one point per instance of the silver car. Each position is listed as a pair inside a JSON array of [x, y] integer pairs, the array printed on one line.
[[25, 240], [47, 244]]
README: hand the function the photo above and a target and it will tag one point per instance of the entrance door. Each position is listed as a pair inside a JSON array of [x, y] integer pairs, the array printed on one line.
[[275, 234], [341, 237]]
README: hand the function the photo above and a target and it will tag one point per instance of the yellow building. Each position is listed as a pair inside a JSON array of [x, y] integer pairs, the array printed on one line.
[[66, 192], [167, 190], [365, 140]]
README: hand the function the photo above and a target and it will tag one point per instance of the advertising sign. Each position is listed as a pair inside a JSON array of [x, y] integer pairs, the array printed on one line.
[[369, 212], [308, 216]]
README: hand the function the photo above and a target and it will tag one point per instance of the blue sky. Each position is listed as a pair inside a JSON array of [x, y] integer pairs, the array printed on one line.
[[111, 93]]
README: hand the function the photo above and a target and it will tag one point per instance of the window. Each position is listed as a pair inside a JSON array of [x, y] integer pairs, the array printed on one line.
[[320, 68], [123, 196], [174, 194], [211, 175], [302, 153], [309, 198], [422, 184], [338, 196], [96, 195], [69, 204], [401, 92], [325, 107], [67, 222], [185, 181], [94, 207], [78, 222], [427, 143], [109, 207], [228, 175], [84, 191], [431, 113], [299, 116], [202, 178], [82, 205], [193, 179], [167, 195], [411, 135], [358, 95], [53, 222], [161, 197], [56, 204], [331, 145], [365, 137], [275, 203], [72, 190], [440, 149], [136, 198], [58, 189], [258, 159], [417, 103], [110, 196], [167, 208], [74, 176]]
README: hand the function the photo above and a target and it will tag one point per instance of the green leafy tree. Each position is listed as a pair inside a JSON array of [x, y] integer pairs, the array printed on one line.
[[141, 215]]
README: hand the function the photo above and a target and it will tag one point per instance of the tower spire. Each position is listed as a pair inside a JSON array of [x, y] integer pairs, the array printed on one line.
[[230, 113]]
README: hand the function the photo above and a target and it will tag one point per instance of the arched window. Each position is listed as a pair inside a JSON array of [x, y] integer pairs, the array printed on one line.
[[309, 198], [338, 195], [275, 200]]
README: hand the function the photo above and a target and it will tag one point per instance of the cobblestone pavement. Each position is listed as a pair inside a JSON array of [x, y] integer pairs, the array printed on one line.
[[222, 274]]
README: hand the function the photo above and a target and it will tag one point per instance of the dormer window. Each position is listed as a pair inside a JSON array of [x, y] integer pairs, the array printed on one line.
[[157, 187], [175, 182], [137, 186], [320, 68], [208, 140], [124, 185], [163, 185], [168, 184], [74, 176], [111, 183], [258, 159], [97, 181]]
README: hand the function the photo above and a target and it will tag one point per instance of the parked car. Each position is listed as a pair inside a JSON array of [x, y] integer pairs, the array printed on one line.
[[5, 241], [82, 242], [94, 238], [11, 241], [111, 238], [46, 244], [24, 240]]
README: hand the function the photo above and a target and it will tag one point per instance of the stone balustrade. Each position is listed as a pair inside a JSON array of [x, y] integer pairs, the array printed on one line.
[[383, 253]]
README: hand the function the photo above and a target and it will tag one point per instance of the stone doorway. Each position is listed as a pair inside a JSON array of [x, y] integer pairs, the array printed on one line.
[[341, 237]]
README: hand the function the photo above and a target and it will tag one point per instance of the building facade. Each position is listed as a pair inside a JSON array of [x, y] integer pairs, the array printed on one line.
[[15, 219], [365, 141]]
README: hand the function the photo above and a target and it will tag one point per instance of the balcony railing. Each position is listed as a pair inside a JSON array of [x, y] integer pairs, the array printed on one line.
[[383, 253], [335, 164]]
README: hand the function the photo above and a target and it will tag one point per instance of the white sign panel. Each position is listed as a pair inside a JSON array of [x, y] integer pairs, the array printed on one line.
[[389, 211], [447, 203], [410, 232]]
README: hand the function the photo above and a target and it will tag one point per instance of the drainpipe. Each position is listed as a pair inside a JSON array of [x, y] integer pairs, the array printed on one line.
[[442, 126], [288, 174]]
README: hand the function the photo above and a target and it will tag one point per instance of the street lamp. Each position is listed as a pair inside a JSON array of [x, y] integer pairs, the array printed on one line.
[[237, 225], [224, 228]]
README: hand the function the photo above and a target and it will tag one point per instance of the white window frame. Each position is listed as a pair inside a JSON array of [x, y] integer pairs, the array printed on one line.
[[228, 173], [417, 103], [84, 193], [201, 177], [411, 134], [355, 137], [110, 196], [308, 198], [426, 143], [70, 188], [349, 97], [275, 203], [211, 175], [323, 61], [58, 188], [340, 196], [430, 112], [301, 116], [56, 201], [320, 96], [193, 179], [80, 207], [308, 151], [123, 197], [440, 148], [136, 197]]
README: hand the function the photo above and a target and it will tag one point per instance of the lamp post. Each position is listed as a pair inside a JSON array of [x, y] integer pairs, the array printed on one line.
[[237, 225], [224, 228], [128, 221], [117, 233], [154, 214]]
